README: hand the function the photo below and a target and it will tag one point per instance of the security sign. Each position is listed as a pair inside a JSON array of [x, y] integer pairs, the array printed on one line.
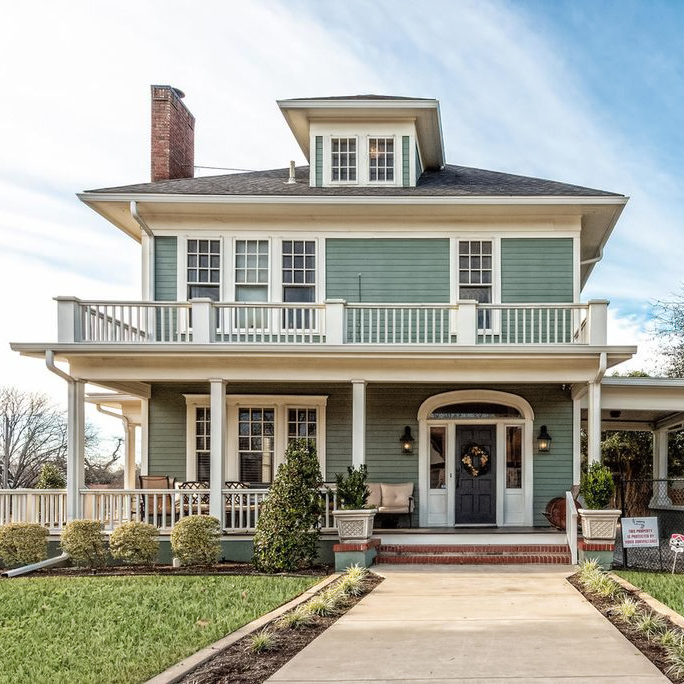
[[640, 532]]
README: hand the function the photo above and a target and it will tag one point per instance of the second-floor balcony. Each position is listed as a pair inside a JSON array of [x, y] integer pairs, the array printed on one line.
[[202, 321]]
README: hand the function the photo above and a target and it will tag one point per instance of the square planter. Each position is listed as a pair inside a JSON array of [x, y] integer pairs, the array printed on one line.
[[599, 525], [355, 525]]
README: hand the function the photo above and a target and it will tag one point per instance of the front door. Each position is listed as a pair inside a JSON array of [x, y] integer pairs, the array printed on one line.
[[475, 475]]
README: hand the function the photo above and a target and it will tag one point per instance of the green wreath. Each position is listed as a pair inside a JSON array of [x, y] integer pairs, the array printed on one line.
[[476, 460]]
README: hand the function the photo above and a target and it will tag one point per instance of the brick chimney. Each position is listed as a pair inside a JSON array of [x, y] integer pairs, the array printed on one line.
[[173, 135]]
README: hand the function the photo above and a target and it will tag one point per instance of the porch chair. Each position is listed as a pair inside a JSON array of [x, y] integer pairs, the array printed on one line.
[[162, 502], [238, 501], [192, 504]]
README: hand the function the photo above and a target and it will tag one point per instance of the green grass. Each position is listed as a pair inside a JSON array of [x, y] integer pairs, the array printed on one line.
[[667, 588], [123, 629]]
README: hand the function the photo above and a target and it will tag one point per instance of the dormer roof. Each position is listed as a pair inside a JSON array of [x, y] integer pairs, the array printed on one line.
[[424, 112]]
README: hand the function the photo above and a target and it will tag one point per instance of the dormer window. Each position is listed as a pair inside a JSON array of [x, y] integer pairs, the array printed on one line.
[[381, 160], [343, 159]]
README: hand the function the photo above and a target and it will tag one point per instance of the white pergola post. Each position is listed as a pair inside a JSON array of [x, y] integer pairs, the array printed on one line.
[[217, 447], [75, 447], [660, 444], [129, 453], [594, 423], [358, 422]]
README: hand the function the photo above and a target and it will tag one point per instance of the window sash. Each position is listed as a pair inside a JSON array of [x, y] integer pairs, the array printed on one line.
[[343, 159], [381, 159]]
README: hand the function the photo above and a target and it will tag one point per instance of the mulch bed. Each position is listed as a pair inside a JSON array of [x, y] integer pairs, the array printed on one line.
[[238, 664], [651, 649]]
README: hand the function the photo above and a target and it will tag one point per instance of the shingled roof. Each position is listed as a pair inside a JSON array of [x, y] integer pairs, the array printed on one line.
[[456, 181]]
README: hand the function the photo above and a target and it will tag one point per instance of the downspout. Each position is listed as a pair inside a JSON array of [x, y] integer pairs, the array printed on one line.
[[148, 254], [50, 562], [586, 262]]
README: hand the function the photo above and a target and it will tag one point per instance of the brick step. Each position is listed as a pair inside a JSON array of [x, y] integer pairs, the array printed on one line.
[[474, 554]]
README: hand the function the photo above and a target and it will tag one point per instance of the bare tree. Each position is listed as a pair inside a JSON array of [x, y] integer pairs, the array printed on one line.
[[32, 432]]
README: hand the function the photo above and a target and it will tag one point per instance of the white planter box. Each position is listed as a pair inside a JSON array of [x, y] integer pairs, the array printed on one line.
[[355, 525], [599, 525]]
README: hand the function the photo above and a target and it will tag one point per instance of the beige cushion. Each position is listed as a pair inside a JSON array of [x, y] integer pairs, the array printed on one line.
[[375, 494], [394, 495], [394, 509]]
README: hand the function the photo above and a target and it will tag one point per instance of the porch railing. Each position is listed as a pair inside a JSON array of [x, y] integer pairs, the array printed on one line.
[[571, 526], [202, 321], [162, 508]]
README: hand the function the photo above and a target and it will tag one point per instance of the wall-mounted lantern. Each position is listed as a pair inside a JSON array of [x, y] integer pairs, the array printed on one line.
[[544, 441], [407, 441]]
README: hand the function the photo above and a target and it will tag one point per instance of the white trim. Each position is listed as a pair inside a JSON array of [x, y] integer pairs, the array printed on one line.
[[358, 422], [480, 396]]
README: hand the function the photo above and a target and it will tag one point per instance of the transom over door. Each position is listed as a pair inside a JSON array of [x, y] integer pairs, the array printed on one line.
[[475, 475]]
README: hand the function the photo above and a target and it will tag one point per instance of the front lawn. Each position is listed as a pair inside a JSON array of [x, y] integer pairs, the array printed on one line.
[[667, 588], [124, 629]]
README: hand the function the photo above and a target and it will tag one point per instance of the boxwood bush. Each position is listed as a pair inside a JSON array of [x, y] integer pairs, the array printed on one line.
[[195, 540], [135, 542], [597, 486], [288, 529], [22, 543], [83, 541]]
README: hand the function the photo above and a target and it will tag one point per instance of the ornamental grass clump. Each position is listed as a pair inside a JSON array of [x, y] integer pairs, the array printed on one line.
[[83, 541], [195, 540], [354, 581], [134, 542], [675, 658], [326, 603], [288, 529], [262, 641], [22, 544], [626, 609], [299, 618], [650, 624]]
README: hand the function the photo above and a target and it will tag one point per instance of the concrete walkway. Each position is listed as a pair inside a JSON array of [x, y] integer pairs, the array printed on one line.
[[471, 624]]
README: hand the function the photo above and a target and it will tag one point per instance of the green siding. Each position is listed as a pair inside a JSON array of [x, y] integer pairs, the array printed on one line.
[[405, 161], [318, 161], [166, 441], [392, 270], [536, 270], [165, 269]]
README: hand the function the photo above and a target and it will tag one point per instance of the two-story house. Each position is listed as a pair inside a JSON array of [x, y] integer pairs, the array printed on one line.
[[420, 317]]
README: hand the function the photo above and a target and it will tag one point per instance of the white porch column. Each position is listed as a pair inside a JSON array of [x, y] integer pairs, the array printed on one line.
[[129, 454], [75, 447], [594, 422], [358, 422], [576, 442], [660, 497], [217, 447]]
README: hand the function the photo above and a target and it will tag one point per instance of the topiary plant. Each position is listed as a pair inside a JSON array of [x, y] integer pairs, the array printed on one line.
[[22, 543], [352, 490], [195, 540], [51, 477], [597, 486], [135, 542], [288, 528], [83, 541]]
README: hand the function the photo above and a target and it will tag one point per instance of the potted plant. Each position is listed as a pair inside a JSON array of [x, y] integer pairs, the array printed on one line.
[[599, 522], [353, 518]]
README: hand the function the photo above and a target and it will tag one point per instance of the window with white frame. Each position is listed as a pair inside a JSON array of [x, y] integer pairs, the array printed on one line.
[[251, 270], [343, 157], [202, 443], [203, 273], [299, 280], [381, 160], [256, 433], [475, 275]]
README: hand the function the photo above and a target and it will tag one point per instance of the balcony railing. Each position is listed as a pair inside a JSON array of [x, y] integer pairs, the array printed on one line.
[[336, 322], [162, 508]]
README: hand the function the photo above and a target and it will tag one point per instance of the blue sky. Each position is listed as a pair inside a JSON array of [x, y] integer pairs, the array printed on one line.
[[586, 92]]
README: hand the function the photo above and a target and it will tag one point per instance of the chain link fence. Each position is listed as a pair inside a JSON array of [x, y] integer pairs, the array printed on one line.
[[661, 499]]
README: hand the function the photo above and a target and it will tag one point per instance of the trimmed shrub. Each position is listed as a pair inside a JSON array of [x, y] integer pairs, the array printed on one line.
[[288, 529], [22, 543], [83, 541], [352, 490], [195, 540], [135, 542], [597, 486], [51, 477]]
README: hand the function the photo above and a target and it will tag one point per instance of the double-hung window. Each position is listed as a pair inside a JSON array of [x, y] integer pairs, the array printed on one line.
[[251, 281], [256, 432], [475, 281], [202, 442], [343, 158], [299, 281], [204, 269], [381, 160]]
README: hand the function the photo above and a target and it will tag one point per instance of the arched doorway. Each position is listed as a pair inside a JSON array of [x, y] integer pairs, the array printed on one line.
[[475, 459]]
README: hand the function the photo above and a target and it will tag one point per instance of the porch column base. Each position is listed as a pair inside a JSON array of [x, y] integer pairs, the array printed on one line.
[[359, 553], [602, 552]]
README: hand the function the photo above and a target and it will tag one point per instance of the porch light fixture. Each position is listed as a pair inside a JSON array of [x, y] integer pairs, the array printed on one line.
[[407, 441], [544, 440]]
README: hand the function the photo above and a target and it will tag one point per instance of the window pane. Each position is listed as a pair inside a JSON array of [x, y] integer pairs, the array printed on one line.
[[513, 457], [437, 458]]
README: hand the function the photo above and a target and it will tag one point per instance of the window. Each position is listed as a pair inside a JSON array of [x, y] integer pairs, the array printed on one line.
[[204, 269], [381, 159], [202, 442], [343, 159], [256, 432], [302, 423], [475, 275], [299, 280], [437, 458], [513, 457], [251, 281]]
